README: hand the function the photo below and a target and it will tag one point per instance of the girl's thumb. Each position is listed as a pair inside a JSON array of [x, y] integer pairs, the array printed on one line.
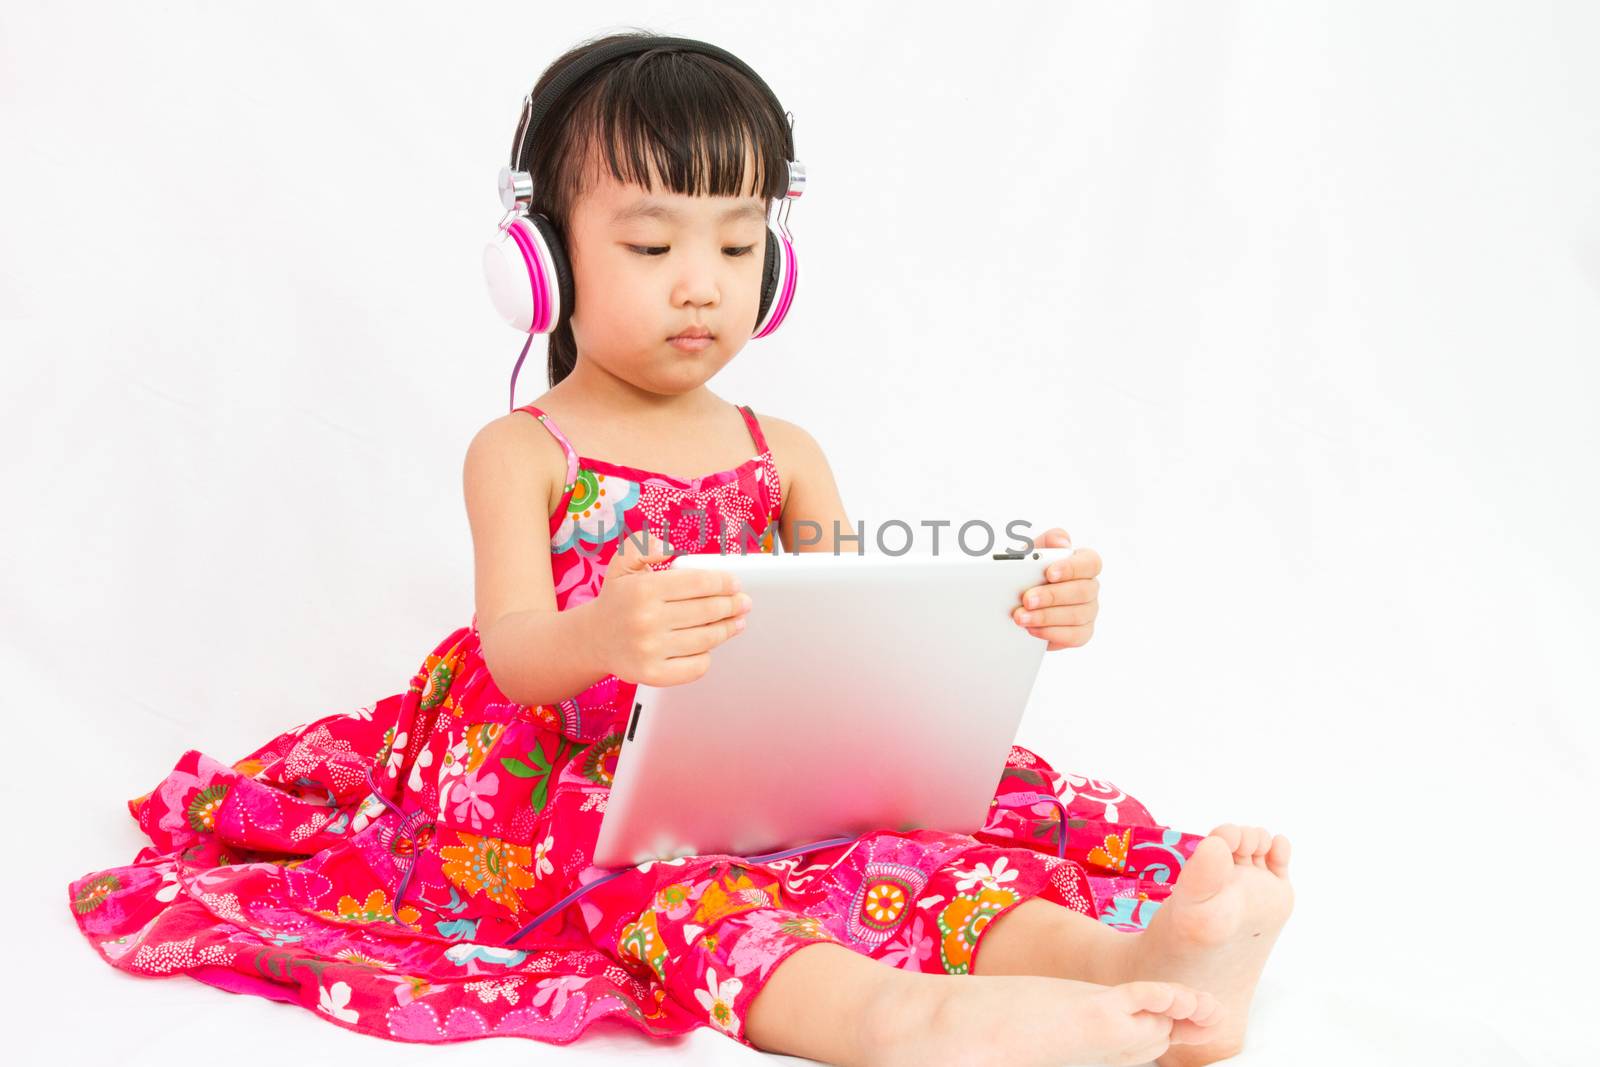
[[637, 550]]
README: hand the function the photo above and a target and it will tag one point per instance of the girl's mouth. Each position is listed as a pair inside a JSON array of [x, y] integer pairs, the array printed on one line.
[[689, 344]]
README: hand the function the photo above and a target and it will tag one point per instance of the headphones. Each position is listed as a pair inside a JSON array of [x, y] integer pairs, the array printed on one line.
[[525, 265]]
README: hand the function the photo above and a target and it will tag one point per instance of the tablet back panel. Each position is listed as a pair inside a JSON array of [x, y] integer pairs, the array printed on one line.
[[865, 692]]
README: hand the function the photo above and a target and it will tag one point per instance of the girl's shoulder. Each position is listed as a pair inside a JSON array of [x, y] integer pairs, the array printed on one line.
[[788, 440], [797, 458], [515, 454]]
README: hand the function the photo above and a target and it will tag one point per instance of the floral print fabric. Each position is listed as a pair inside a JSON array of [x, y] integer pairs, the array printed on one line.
[[390, 911]]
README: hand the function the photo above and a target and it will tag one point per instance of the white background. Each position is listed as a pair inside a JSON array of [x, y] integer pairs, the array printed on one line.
[[1288, 310]]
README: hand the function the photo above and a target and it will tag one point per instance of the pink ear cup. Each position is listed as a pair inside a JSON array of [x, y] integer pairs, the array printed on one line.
[[788, 274], [505, 271], [530, 263], [532, 244], [517, 268]]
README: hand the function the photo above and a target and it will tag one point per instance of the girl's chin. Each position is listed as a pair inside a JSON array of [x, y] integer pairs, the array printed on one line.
[[674, 379]]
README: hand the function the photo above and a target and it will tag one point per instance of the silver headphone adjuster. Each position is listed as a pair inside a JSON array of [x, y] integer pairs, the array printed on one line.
[[516, 189]]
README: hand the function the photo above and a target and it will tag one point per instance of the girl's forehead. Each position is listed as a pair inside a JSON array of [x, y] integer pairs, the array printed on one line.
[[614, 201]]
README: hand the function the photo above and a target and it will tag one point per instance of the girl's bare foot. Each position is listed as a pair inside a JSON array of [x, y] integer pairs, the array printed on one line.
[[1214, 932], [1015, 1020]]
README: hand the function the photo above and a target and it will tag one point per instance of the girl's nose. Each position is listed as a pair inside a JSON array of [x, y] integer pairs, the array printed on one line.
[[697, 284]]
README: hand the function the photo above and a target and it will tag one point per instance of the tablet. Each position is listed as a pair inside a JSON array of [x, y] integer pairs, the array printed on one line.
[[865, 692]]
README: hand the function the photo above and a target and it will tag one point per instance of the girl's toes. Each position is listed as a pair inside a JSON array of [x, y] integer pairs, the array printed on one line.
[[1206, 872], [1278, 856], [1231, 833], [1199, 1028], [1263, 845]]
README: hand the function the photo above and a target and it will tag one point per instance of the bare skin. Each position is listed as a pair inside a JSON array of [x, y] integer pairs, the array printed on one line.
[[828, 1003], [1214, 933], [1217, 929], [1050, 985]]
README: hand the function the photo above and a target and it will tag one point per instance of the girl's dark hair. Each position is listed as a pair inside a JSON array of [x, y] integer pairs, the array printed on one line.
[[692, 115]]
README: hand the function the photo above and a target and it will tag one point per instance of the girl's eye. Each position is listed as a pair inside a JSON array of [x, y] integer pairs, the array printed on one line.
[[659, 250]]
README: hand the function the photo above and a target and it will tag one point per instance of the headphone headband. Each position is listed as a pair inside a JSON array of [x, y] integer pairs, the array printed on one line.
[[536, 109]]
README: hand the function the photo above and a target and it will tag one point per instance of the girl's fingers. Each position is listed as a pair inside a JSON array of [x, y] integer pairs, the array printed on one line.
[[693, 640], [1063, 636], [704, 609], [1075, 591], [1083, 563], [692, 583], [1070, 615], [681, 669]]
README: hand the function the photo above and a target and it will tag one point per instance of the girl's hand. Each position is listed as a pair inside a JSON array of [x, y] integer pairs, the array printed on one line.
[[657, 627], [1063, 610]]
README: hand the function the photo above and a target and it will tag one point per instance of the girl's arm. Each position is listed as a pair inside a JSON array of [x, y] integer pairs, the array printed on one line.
[[512, 468], [810, 507]]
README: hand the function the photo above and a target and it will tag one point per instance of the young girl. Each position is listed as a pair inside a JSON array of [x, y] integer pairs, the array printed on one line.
[[419, 869]]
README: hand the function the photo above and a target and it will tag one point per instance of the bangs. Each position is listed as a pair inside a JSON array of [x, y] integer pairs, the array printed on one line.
[[677, 122]]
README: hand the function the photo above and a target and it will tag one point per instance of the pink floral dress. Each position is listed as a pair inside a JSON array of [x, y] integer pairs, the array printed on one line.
[[419, 869]]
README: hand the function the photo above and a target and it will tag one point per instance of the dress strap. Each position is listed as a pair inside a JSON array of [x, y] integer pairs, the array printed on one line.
[[755, 428], [566, 446]]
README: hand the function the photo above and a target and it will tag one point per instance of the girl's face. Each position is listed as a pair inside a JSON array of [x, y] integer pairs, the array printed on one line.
[[649, 265]]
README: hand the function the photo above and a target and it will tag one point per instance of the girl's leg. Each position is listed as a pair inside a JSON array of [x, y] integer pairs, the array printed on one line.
[[829, 1003], [1042, 937]]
